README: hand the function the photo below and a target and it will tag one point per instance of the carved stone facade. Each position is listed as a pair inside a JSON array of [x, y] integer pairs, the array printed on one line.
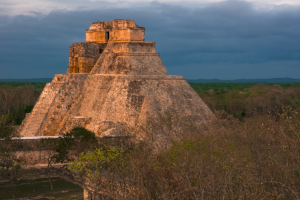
[[117, 30], [83, 56], [112, 85]]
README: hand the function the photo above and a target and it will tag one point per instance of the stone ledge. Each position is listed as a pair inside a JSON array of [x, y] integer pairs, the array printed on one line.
[[137, 54], [149, 77]]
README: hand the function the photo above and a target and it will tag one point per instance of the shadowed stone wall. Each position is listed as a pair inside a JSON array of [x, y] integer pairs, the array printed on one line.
[[83, 56]]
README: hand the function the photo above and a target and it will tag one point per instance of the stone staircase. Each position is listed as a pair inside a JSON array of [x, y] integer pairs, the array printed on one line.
[[102, 57], [67, 95], [31, 125]]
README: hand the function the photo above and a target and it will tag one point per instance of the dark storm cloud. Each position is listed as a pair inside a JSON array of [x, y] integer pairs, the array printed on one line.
[[225, 40]]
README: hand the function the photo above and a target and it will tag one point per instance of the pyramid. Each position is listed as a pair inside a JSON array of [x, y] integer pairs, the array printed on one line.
[[114, 80]]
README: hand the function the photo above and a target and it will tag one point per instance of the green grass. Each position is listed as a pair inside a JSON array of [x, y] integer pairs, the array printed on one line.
[[41, 187]]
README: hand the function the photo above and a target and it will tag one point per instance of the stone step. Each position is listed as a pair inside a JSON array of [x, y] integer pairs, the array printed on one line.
[[40, 110]]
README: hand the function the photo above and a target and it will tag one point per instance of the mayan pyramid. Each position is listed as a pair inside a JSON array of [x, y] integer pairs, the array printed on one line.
[[115, 79]]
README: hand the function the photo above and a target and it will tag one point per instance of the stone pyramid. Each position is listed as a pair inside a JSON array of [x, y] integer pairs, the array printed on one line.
[[114, 80]]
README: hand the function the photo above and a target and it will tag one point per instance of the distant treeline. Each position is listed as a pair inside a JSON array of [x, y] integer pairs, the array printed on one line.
[[258, 81], [36, 85], [232, 85], [30, 80], [18, 98], [249, 99]]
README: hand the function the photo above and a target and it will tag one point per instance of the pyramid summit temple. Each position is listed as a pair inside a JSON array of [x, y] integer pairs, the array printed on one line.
[[115, 80]]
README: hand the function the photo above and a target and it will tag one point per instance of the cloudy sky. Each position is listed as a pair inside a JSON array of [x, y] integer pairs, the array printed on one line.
[[197, 39]]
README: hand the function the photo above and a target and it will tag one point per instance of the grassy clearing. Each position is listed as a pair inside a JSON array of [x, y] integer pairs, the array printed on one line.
[[40, 189]]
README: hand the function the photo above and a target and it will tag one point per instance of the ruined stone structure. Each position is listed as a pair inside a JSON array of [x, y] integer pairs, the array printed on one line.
[[115, 80]]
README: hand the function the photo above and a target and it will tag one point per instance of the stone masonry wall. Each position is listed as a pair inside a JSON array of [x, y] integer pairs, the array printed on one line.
[[83, 56], [130, 59], [68, 94]]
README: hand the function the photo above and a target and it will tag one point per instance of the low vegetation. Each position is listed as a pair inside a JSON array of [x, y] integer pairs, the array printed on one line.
[[252, 150], [39, 189], [257, 158]]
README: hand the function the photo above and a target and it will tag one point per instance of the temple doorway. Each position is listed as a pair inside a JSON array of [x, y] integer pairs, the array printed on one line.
[[106, 36]]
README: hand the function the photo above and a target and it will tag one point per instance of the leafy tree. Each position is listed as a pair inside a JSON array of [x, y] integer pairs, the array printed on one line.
[[10, 165], [78, 140], [65, 148], [6, 127], [97, 169], [48, 146]]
